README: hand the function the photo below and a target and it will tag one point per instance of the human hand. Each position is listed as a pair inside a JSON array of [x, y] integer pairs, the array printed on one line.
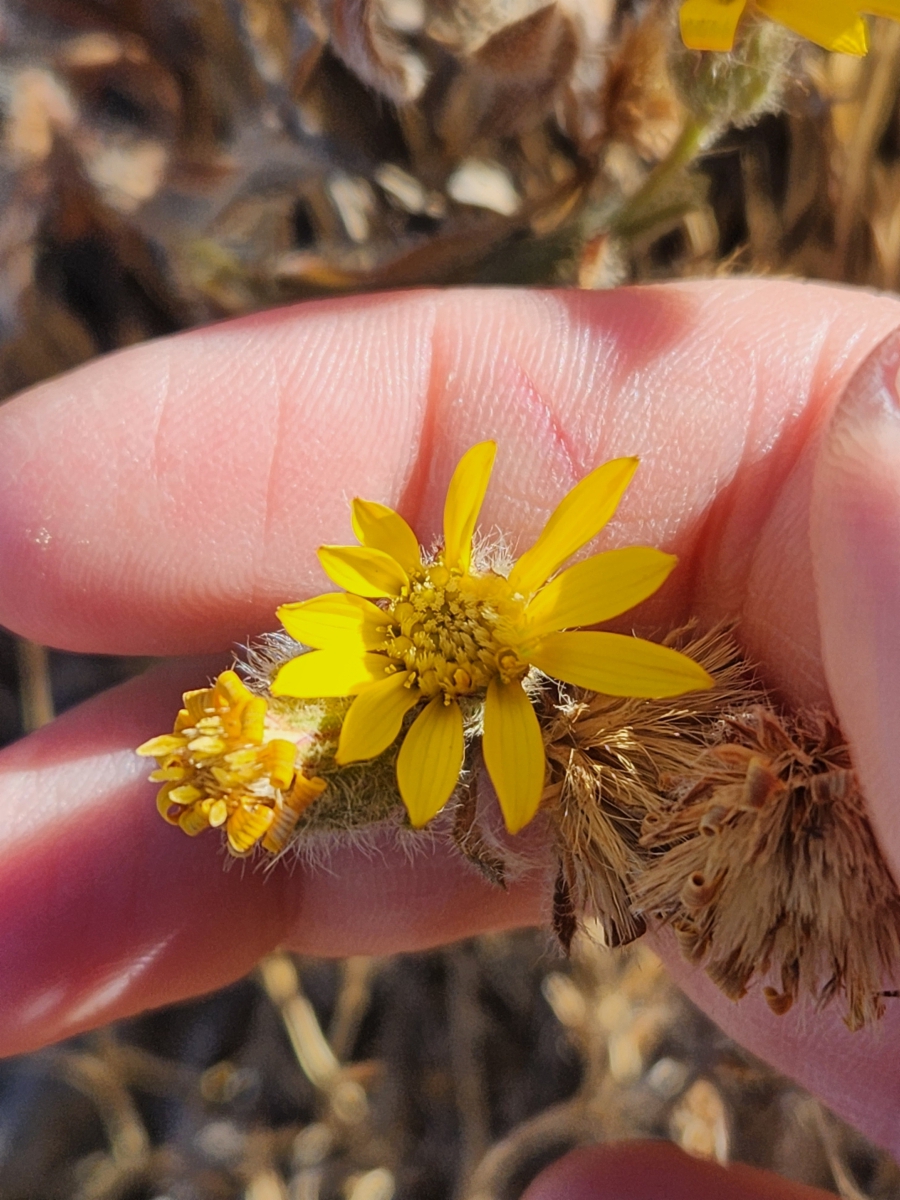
[[166, 499]]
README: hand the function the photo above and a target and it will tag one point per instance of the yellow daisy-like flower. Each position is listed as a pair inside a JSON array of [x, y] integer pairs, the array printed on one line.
[[832, 24], [218, 770], [441, 631]]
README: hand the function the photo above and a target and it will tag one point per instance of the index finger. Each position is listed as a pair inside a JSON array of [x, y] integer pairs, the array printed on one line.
[[166, 499]]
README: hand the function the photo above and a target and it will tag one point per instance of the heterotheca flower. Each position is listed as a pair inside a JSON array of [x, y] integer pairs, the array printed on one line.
[[832, 24], [218, 769], [413, 631]]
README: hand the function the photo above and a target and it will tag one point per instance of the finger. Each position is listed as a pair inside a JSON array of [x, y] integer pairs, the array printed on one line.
[[166, 499], [856, 540], [562, 381], [649, 1170], [108, 911], [855, 1074]]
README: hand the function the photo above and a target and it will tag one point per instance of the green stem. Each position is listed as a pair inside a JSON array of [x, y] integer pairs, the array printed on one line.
[[633, 215]]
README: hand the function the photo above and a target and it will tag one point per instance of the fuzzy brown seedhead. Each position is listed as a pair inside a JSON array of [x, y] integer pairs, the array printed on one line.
[[742, 828]]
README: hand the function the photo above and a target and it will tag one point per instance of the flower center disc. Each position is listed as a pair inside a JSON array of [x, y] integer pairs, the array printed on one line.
[[456, 631]]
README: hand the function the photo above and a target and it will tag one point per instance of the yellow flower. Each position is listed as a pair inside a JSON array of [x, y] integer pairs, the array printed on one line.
[[833, 24], [443, 630], [218, 769]]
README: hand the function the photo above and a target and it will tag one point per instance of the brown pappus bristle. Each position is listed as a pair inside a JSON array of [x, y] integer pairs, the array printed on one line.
[[742, 828]]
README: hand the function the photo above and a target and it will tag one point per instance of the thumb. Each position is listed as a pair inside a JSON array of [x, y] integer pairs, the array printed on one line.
[[855, 538], [646, 1170]]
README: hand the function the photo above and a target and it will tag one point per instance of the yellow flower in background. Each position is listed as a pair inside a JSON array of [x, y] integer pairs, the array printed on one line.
[[442, 630], [217, 769], [832, 24]]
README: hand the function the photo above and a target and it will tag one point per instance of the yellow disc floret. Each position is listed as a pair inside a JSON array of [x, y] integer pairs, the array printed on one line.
[[452, 631]]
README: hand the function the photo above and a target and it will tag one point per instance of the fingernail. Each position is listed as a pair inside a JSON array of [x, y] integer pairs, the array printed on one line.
[[855, 535]]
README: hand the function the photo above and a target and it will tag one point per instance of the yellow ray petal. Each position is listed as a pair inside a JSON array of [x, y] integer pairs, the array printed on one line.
[[465, 496], [710, 24], [251, 722], [161, 747], [335, 621], [374, 718], [166, 809], [280, 757], [247, 825], [363, 571], [598, 588], [430, 760], [833, 24], [380, 528], [194, 820], [288, 813], [579, 516], [186, 794], [322, 673], [618, 665], [513, 752]]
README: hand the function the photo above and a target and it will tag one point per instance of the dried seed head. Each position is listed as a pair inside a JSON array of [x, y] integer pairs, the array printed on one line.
[[740, 827]]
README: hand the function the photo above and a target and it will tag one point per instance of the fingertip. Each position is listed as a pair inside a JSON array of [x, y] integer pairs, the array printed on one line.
[[855, 537], [849, 1071], [161, 500], [108, 911], [643, 1170]]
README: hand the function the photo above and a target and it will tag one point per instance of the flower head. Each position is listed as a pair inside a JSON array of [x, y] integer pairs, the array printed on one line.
[[217, 768], [410, 631], [832, 24]]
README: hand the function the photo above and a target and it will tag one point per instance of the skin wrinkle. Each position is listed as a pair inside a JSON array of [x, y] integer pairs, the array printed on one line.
[[322, 375], [706, 529], [534, 403], [726, 530], [175, 468], [262, 549], [165, 384], [485, 353], [800, 441], [537, 413], [412, 490]]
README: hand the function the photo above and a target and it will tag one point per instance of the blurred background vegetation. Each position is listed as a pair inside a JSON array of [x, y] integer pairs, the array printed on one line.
[[165, 163]]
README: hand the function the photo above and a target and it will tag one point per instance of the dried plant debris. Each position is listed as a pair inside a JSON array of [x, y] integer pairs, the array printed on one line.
[[228, 157], [742, 827], [782, 871]]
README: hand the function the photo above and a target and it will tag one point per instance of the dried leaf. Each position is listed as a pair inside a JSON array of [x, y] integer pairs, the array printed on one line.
[[373, 50]]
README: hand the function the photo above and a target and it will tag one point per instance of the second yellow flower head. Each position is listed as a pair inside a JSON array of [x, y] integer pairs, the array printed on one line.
[[411, 631], [833, 24]]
